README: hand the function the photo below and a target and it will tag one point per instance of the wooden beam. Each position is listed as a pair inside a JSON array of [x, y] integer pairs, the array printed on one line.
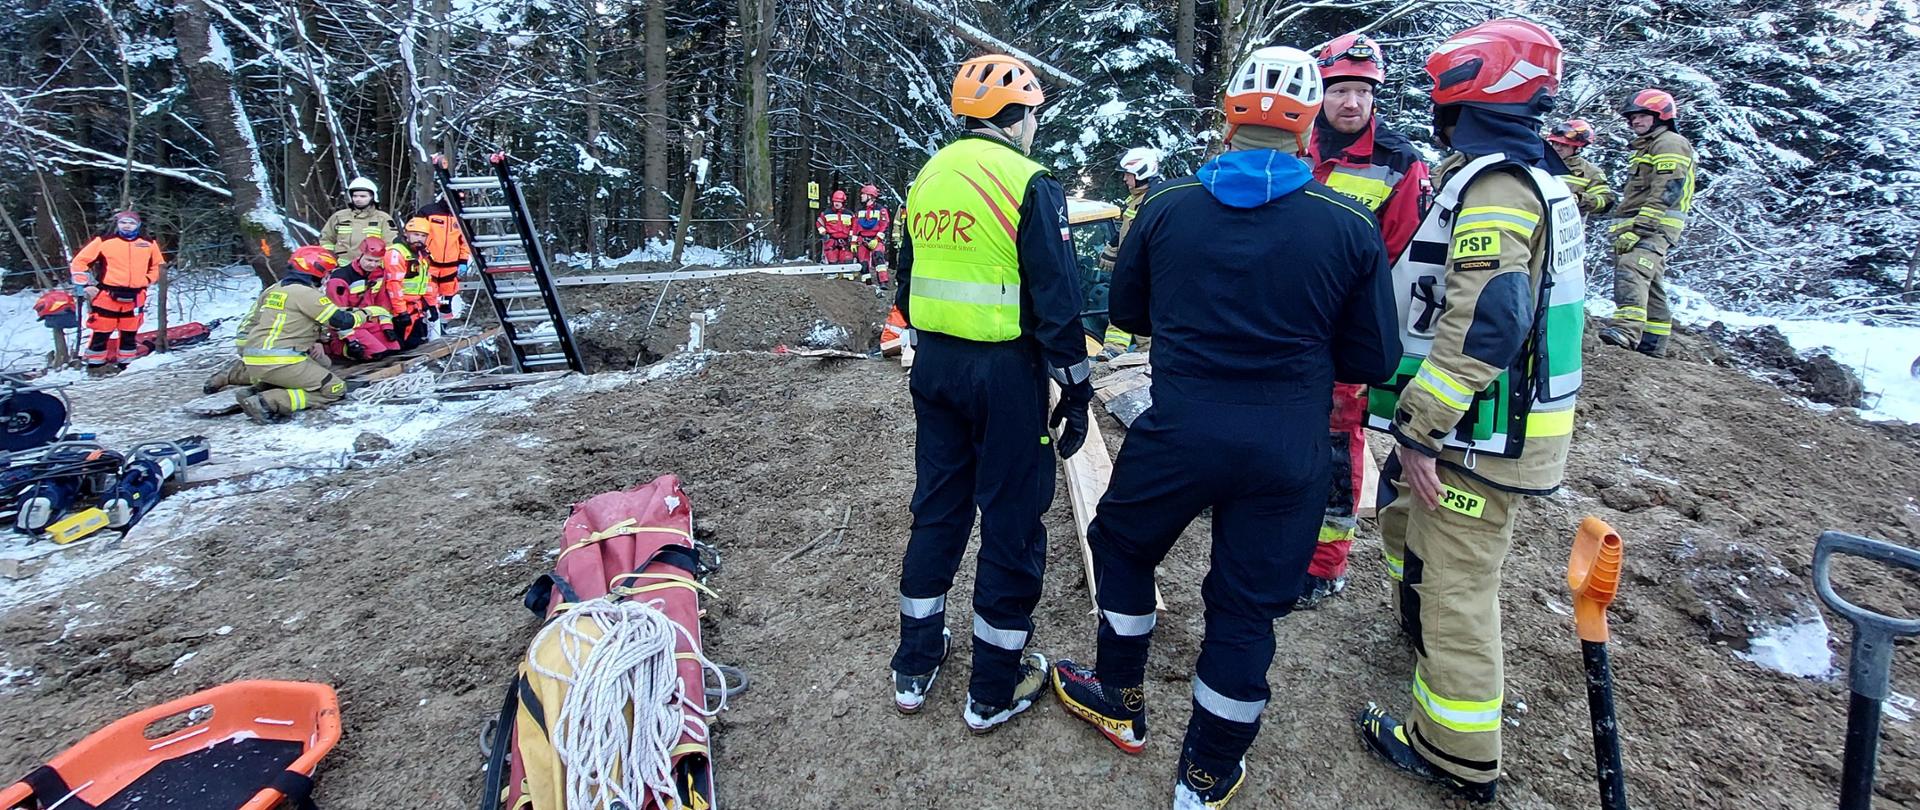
[[1088, 473], [712, 272], [417, 358]]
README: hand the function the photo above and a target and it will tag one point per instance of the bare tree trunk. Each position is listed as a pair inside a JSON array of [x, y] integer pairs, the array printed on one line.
[[590, 75], [653, 194], [756, 170], [210, 82], [1913, 269], [424, 44], [1183, 29], [160, 308], [691, 193], [45, 279], [126, 84]]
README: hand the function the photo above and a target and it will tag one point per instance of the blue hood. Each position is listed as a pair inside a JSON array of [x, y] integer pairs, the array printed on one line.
[[1253, 178]]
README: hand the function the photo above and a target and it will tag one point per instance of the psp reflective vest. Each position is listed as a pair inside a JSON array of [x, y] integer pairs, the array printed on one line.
[[965, 229], [1534, 397]]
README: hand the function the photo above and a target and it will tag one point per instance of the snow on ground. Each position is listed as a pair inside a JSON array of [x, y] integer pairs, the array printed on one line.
[[658, 250], [1883, 356], [205, 297], [1798, 649]]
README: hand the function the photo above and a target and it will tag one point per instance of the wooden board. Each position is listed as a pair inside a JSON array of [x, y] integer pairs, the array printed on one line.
[[1369, 505], [711, 272], [500, 382], [1128, 360], [906, 354], [1088, 473], [218, 403], [417, 358]]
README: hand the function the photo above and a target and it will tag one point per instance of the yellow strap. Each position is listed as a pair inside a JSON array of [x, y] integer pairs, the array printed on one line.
[[672, 581], [621, 529]]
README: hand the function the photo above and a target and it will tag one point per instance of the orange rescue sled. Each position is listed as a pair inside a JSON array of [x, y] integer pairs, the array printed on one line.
[[247, 745]]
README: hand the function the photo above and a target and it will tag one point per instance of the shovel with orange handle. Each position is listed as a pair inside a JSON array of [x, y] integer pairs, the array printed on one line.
[[1871, 660], [1593, 573]]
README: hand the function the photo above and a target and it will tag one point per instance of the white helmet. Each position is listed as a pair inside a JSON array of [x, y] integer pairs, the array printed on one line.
[[1143, 162], [362, 184]]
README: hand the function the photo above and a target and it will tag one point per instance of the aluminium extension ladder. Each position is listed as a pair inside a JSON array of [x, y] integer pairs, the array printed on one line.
[[506, 251]]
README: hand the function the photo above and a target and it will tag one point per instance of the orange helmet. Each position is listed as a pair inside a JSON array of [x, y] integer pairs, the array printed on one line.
[[1352, 56], [1507, 66], [1657, 102], [1574, 132], [1276, 87], [985, 85], [313, 260], [419, 225]]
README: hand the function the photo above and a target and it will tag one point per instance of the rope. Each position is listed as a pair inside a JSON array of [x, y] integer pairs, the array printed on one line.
[[621, 658]]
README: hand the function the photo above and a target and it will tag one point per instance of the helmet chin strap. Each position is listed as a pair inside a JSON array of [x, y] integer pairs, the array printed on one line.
[[1004, 135]]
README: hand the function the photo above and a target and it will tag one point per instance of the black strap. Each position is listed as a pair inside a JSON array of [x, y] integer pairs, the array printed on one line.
[[497, 772], [48, 788], [296, 786]]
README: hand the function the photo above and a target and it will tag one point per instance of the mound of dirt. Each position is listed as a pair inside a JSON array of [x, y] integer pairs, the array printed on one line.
[[620, 326], [1814, 375]]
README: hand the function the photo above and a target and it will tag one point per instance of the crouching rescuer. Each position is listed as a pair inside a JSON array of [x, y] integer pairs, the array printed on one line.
[[277, 340], [1490, 296], [989, 285]]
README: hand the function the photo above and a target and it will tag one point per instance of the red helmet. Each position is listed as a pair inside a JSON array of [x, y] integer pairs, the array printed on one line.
[[1658, 102], [1275, 87], [373, 246], [1508, 66], [839, 196], [313, 260], [1352, 56], [869, 190], [1574, 132]]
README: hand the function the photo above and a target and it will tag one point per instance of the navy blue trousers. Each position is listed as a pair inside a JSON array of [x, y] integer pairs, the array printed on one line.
[[1263, 470], [980, 444]]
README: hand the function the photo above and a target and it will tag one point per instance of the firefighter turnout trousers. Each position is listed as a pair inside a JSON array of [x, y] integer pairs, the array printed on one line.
[[1447, 565], [290, 387], [980, 443], [1263, 470], [1640, 290]]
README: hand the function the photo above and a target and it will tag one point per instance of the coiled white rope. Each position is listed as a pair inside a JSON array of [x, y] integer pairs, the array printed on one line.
[[626, 706]]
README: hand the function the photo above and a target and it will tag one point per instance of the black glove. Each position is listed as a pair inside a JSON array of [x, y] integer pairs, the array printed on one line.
[[1073, 411], [433, 313]]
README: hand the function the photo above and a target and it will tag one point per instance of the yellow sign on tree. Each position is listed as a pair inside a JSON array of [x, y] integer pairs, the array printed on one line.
[[813, 194]]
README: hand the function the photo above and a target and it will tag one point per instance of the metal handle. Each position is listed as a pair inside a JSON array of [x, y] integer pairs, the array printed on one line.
[[1873, 631]]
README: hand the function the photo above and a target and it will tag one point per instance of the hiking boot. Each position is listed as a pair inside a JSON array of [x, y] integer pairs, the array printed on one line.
[[256, 408], [215, 383], [910, 691], [1652, 345], [1615, 336], [1387, 739], [982, 718], [1196, 789], [1319, 590], [1121, 717]]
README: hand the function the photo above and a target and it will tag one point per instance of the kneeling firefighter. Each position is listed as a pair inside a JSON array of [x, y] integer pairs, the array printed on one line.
[[277, 339]]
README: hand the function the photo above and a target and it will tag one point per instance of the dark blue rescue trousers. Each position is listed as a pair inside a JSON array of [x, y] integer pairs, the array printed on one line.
[[980, 443], [1263, 469]]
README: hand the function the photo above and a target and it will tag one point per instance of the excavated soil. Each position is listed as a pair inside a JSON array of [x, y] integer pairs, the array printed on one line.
[[621, 326], [399, 584]]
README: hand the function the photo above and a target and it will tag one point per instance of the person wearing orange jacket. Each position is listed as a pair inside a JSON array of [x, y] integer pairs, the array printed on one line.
[[447, 252], [410, 285], [115, 270], [870, 225], [1356, 154]]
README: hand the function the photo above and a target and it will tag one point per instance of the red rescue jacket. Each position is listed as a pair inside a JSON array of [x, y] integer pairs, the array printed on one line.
[[1382, 171]]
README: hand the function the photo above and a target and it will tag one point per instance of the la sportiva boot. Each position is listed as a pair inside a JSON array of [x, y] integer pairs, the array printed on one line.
[[1319, 590], [982, 718], [910, 691], [1387, 739], [1615, 336], [1652, 345], [1196, 788], [1118, 713]]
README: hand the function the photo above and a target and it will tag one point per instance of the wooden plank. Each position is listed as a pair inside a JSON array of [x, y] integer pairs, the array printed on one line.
[[1128, 360], [1088, 473], [501, 382], [417, 358], [1369, 505], [696, 331], [219, 403], [891, 348], [906, 354], [712, 272]]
